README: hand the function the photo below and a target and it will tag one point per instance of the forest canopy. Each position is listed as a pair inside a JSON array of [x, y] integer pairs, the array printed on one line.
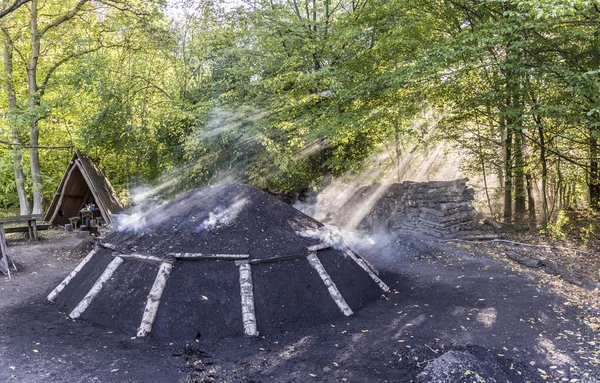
[[282, 94]]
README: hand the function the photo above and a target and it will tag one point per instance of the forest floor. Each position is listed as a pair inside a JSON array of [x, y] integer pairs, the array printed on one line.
[[530, 325]]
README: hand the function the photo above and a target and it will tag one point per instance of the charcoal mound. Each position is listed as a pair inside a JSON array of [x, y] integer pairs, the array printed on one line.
[[218, 262], [234, 219]]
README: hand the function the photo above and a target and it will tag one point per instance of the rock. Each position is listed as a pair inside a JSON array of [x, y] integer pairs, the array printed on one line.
[[68, 227], [461, 366], [83, 234]]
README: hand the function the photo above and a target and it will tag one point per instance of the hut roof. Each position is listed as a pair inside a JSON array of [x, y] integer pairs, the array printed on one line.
[[83, 180]]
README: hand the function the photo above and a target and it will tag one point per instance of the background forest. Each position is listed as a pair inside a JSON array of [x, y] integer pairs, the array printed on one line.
[[283, 94]]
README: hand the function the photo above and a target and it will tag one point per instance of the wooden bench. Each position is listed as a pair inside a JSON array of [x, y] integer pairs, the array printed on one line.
[[31, 221]]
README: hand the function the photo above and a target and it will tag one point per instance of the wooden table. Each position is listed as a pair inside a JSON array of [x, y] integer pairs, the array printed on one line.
[[31, 221]]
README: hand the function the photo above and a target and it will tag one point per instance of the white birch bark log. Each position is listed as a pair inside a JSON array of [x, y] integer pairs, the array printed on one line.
[[154, 299], [333, 290], [52, 296], [247, 294], [362, 263], [95, 290]]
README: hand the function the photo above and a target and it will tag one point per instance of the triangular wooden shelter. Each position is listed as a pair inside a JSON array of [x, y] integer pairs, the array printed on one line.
[[84, 182]]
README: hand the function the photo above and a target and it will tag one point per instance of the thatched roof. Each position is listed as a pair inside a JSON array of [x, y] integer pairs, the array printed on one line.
[[83, 182]]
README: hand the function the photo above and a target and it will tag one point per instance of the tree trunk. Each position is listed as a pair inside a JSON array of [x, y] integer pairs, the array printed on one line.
[[594, 177], [530, 198], [398, 153], [519, 176], [12, 111], [508, 174], [34, 104]]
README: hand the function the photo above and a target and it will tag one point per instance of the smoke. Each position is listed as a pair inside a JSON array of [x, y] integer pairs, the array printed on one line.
[[147, 199], [222, 216], [379, 249]]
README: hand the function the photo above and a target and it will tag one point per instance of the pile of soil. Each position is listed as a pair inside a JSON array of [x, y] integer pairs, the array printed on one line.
[[228, 219]]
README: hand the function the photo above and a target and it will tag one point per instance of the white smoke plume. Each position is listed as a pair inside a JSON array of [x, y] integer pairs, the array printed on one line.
[[223, 216]]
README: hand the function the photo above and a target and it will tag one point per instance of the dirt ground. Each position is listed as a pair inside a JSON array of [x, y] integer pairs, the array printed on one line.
[[531, 326]]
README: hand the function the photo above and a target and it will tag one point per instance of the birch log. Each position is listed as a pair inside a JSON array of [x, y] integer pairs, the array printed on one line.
[[193, 256], [52, 296], [142, 258], [362, 263], [154, 299], [95, 290], [247, 294], [333, 290]]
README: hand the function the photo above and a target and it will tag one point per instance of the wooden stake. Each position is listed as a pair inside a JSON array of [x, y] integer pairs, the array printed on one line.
[[247, 293], [95, 290], [362, 263], [154, 299], [52, 296], [333, 290], [4, 267]]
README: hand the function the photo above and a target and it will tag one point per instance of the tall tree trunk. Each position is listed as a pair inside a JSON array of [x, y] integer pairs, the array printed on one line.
[[12, 111], [530, 198], [485, 184], [544, 162], [398, 153], [508, 174], [594, 176], [519, 176], [34, 104]]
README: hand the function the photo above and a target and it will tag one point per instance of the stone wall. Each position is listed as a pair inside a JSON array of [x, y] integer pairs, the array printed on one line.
[[438, 208]]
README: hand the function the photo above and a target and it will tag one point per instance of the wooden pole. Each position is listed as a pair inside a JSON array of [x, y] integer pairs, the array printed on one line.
[[52, 296], [29, 230], [32, 223], [154, 299], [62, 192], [247, 294], [4, 268], [95, 290], [333, 290], [193, 256]]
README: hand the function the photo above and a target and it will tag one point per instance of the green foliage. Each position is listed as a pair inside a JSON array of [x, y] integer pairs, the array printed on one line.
[[557, 230], [282, 93]]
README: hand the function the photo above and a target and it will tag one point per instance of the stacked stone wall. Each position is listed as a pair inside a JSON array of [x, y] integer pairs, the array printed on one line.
[[438, 208]]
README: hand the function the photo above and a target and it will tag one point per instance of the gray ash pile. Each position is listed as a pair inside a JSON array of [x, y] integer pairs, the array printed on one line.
[[218, 262]]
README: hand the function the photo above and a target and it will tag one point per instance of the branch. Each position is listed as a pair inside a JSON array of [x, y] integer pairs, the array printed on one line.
[[13, 7], [64, 60], [8, 143], [66, 17]]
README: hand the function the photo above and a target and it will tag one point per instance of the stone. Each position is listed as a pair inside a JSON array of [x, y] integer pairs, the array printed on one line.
[[461, 366]]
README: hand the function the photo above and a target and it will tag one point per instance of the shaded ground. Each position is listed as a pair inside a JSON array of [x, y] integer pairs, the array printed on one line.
[[460, 297]]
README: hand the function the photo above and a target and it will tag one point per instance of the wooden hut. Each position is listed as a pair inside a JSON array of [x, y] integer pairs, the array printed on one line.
[[84, 183]]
